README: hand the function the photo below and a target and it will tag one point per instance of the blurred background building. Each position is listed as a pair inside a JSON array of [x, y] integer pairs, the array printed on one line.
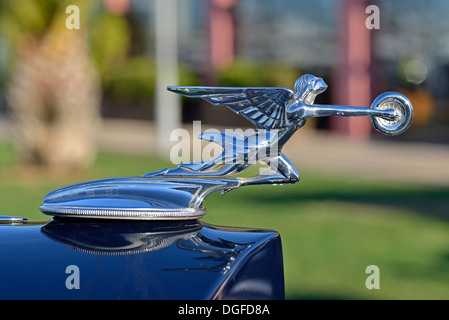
[[136, 47]]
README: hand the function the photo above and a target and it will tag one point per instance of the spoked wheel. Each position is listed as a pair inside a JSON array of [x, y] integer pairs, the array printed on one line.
[[403, 113]]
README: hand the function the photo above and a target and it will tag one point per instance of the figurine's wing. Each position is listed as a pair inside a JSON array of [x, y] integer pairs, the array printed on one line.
[[265, 107]]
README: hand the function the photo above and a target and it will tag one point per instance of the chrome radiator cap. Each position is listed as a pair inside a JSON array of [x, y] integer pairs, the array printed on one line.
[[134, 198]]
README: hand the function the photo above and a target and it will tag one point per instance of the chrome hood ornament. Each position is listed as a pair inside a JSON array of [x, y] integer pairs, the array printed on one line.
[[178, 193]]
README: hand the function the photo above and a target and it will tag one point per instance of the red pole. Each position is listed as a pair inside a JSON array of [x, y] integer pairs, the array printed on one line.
[[221, 22], [352, 80]]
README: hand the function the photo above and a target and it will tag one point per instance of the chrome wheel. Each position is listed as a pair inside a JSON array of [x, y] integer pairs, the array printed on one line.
[[403, 113]]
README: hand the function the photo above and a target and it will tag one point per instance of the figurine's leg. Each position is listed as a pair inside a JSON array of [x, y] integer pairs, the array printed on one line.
[[186, 169], [286, 168], [287, 173], [200, 169], [182, 168]]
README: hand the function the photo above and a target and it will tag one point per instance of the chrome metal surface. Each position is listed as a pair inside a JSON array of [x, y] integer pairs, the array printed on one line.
[[134, 198], [402, 108], [12, 220], [278, 113], [178, 193]]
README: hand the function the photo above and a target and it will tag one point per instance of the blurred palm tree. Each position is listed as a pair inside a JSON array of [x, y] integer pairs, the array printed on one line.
[[54, 88]]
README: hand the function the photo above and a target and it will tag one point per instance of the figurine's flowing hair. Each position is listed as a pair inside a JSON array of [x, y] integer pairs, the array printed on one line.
[[301, 86]]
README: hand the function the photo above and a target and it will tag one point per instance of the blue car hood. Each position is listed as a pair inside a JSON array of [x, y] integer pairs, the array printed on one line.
[[139, 260]]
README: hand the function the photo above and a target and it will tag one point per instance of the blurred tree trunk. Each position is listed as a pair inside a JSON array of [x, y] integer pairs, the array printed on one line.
[[54, 95]]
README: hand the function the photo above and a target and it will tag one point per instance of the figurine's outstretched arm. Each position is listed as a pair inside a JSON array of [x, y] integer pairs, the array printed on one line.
[[323, 110], [391, 113]]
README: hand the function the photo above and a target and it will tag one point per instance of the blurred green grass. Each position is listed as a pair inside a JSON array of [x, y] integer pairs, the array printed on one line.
[[332, 227]]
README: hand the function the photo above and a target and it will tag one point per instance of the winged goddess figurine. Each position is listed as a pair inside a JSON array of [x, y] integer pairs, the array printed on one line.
[[179, 193], [277, 113]]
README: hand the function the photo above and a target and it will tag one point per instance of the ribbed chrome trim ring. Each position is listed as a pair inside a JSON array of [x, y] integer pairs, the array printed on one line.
[[130, 214]]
